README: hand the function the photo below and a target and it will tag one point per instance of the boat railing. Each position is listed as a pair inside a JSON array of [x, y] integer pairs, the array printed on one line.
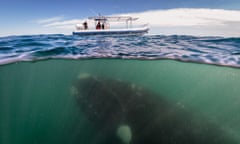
[[108, 27], [104, 22]]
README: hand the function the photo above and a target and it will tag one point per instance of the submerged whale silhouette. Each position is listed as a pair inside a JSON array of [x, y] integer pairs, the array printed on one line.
[[123, 113]]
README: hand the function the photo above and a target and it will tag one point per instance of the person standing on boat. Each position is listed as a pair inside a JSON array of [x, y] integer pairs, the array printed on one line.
[[102, 26], [98, 26], [85, 25]]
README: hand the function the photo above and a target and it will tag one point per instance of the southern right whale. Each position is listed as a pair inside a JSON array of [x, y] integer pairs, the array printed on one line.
[[123, 113]]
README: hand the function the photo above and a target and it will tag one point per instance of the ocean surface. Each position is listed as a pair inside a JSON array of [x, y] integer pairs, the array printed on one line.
[[209, 50], [38, 75]]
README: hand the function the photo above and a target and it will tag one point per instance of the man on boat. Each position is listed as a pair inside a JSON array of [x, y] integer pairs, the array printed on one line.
[[102, 26], [98, 26], [85, 25]]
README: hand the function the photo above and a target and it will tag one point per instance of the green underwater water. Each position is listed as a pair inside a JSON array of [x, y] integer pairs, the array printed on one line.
[[36, 104]]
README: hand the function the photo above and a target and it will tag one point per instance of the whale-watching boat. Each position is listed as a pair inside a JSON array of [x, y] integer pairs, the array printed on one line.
[[103, 27]]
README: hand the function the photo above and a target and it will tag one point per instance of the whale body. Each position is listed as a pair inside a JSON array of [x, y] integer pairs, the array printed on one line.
[[123, 113]]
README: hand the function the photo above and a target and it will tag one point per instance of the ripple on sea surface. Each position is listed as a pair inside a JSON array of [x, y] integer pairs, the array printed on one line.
[[209, 50]]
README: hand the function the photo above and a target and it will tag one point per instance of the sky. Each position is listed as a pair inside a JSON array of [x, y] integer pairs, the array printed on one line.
[[167, 17]]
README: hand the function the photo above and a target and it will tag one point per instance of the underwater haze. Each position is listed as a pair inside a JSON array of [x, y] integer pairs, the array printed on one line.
[[195, 78]]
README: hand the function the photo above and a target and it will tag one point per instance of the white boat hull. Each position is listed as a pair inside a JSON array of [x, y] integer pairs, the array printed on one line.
[[129, 31]]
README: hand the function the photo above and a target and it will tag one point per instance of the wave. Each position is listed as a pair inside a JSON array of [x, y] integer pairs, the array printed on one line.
[[208, 50]]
